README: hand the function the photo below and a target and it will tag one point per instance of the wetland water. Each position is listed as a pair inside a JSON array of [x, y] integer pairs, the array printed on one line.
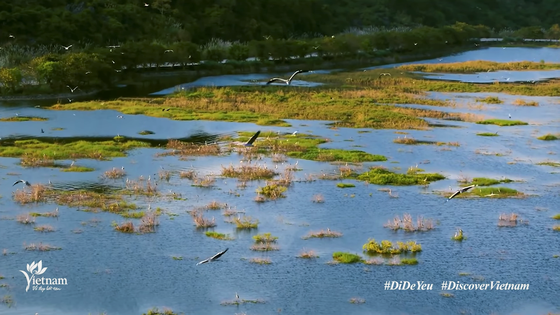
[[129, 273]]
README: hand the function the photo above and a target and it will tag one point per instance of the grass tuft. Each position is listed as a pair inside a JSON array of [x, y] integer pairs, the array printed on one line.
[[218, 236], [322, 234], [386, 247], [502, 122], [548, 137], [346, 258]]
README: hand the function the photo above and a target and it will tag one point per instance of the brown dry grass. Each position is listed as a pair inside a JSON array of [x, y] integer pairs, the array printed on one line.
[[508, 219], [248, 172], [114, 173], [149, 222], [142, 187], [200, 221], [25, 219], [318, 198], [44, 228], [32, 194], [322, 234], [125, 227], [308, 254], [177, 147], [406, 223]]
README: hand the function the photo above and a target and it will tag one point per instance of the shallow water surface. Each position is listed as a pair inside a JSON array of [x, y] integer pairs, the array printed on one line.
[[128, 273]]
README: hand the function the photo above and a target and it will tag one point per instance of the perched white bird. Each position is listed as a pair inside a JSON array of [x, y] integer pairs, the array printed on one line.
[[460, 191], [22, 181], [218, 255], [284, 80]]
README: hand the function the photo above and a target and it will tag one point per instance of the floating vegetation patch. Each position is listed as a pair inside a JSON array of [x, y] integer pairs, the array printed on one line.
[[487, 134], [218, 236], [78, 169], [23, 118], [40, 247], [260, 261], [308, 254], [38, 152], [264, 242], [346, 258], [549, 137], [502, 122], [386, 247], [520, 102], [382, 176], [181, 148], [270, 192], [345, 185], [146, 132], [164, 311]]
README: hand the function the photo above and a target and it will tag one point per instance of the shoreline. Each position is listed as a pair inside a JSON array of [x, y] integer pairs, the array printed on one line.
[[147, 76]]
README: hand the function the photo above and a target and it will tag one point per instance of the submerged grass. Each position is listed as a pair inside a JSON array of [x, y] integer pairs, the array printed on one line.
[[483, 181], [487, 134], [218, 236]]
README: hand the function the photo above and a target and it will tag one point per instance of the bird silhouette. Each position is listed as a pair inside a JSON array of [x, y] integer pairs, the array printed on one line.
[[284, 80], [218, 255]]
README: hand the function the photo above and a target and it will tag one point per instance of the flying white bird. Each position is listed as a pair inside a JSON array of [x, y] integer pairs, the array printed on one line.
[[66, 47], [284, 80], [168, 51], [22, 181], [384, 73], [460, 191], [218, 255], [72, 89]]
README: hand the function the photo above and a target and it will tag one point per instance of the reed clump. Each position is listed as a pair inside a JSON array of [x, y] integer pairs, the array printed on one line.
[[265, 242], [248, 172], [307, 254], [40, 247], [125, 227], [407, 224], [141, 187], [149, 222], [215, 205], [190, 174], [272, 191], [245, 222], [25, 219], [356, 300], [157, 311], [322, 234], [201, 222], [177, 147], [114, 173], [386, 247], [93, 201], [521, 102], [35, 160], [204, 182], [458, 236], [508, 220], [32, 194]]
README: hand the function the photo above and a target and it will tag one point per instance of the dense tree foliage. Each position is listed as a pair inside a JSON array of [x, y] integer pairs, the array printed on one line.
[[106, 22]]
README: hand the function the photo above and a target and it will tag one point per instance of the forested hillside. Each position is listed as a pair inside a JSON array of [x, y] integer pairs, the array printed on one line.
[[104, 22]]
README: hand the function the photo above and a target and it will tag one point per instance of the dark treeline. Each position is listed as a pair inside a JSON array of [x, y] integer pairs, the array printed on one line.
[[105, 22]]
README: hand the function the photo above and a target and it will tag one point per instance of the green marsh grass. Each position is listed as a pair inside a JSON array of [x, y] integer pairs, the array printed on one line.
[[79, 149], [270, 192], [386, 247], [177, 257], [490, 100], [218, 236], [382, 176], [556, 216], [502, 122], [490, 192], [78, 169], [549, 137], [479, 66], [322, 234], [269, 106], [487, 134], [409, 261], [483, 181], [346, 258], [459, 236], [264, 242], [245, 222], [23, 118]]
